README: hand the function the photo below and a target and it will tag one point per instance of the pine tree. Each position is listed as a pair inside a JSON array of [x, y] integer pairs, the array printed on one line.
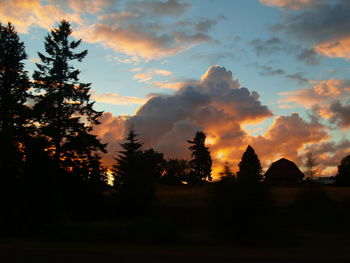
[[250, 170], [14, 86], [14, 124], [135, 174], [125, 171], [201, 161], [64, 109]]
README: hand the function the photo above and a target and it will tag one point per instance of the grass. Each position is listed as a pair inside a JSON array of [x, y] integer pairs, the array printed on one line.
[[184, 227]]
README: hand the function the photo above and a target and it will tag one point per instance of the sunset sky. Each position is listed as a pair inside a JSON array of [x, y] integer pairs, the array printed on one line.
[[270, 73]]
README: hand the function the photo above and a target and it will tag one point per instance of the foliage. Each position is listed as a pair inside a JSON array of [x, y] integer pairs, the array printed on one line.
[[343, 176], [310, 165], [175, 171], [63, 107], [135, 175], [201, 162], [14, 124], [249, 167]]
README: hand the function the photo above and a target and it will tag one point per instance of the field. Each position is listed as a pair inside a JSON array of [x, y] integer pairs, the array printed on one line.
[[184, 231]]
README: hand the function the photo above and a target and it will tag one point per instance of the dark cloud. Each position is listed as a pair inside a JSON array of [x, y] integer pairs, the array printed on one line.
[[168, 8], [299, 77], [275, 45], [268, 47], [327, 21], [309, 56], [340, 114], [269, 71]]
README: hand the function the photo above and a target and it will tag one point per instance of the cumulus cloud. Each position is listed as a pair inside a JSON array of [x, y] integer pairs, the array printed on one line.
[[288, 135], [216, 104]]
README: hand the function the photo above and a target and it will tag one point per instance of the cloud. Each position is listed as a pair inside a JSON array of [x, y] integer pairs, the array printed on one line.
[[339, 48], [116, 99], [340, 114], [292, 4], [327, 98], [27, 13], [216, 104], [288, 136], [299, 77], [274, 45], [309, 56], [324, 24], [169, 8], [322, 92], [269, 71]]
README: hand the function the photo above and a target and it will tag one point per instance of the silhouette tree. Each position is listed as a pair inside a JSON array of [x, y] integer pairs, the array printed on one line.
[[310, 165], [14, 124], [135, 174], [343, 176], [201, 162], [227, 173], [14, 86], [126, 168], [64, 108], [249, 167], [175, 171]]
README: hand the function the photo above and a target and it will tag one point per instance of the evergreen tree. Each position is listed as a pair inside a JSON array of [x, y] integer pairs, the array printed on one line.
[[14, 85], [250, 170], [14, 124], [128, 162], [201, 162], [135, 175], [64, 108], [343, 175]]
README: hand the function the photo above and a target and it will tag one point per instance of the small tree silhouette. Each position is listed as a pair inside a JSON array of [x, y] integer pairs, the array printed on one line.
[[201, 162], [135, 174], [310, 165], [343, 176], [250, 170]]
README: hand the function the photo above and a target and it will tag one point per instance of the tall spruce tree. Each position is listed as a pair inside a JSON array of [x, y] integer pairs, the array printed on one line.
[[250, 170], [201, 162], [14, 85], [64, 109]]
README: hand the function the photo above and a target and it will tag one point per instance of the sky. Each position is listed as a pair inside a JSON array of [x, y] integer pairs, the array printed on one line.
[[270, 73]]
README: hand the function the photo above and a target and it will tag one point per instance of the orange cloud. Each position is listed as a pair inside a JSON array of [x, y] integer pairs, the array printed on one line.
[[290, 4], [26, 13], [116, 99], [322, 92], [338, 48]]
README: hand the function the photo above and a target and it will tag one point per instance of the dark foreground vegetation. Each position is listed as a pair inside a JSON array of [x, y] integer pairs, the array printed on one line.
[[54, 191]]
